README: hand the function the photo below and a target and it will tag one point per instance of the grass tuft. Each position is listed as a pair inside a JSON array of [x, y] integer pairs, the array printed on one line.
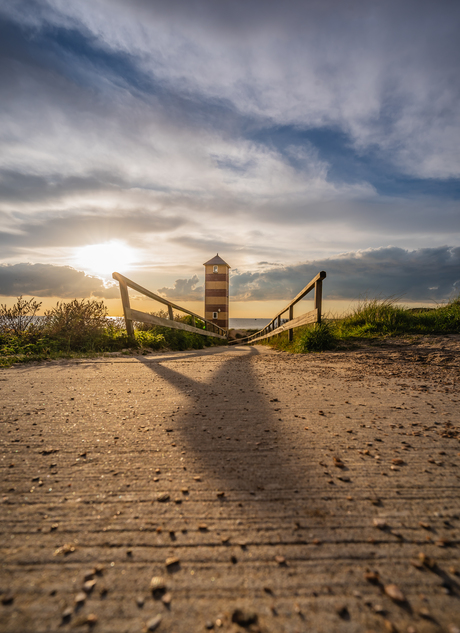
[[372, 319]]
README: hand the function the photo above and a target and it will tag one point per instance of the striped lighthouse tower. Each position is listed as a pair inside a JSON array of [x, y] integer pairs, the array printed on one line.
[[216, 291]]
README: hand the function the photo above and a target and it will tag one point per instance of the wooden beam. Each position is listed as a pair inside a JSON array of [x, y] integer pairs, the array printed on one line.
[[318, 297], [126, 308], [304, 319], [131, 284], [136, 315]]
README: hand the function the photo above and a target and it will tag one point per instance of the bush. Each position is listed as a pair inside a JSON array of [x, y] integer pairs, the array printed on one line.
[[320, 337], [20, 318], [78, 324]]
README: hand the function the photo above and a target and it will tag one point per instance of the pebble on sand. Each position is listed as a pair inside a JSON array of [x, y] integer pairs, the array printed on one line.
[[153, 623], [395, 593]]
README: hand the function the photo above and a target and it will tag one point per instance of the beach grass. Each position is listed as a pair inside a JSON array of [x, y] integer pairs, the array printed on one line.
[[372, 319]]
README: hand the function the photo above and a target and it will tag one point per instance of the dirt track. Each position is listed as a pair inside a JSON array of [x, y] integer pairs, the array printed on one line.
[[286, 480]]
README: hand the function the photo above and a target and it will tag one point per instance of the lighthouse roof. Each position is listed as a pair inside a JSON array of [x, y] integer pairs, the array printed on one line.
[[215, 261]]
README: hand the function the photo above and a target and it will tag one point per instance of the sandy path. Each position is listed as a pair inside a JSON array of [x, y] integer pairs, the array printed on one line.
[[260, 515]]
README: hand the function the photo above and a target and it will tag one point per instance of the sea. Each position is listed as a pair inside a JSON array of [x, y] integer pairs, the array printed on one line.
[[248, 324]]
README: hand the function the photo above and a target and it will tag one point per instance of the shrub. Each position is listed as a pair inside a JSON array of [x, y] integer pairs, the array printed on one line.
[[320, 337], [77, 323], [21, 317]]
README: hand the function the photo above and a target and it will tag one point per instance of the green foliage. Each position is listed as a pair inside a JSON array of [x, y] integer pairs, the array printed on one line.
[[372, 319], [82, 328], [320, 337], [77, 324], [20, 318], [381, 317]]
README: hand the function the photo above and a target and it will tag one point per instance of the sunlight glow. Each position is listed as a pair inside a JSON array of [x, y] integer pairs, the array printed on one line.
[[104, 259]]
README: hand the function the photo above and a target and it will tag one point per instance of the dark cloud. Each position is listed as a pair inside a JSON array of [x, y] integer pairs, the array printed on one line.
[[184, 289], [71, 229], [45, 280], [420, 275]]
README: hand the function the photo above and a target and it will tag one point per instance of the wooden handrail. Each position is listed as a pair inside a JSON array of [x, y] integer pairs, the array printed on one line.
[[135, 315], [276, 327]]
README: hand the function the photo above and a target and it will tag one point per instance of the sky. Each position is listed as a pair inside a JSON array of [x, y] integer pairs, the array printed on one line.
[[145, 136]]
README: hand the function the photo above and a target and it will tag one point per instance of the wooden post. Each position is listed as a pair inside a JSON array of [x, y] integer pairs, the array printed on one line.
[[291, 316], [126, 308], [170, 311], [193, 321], [318, 297]]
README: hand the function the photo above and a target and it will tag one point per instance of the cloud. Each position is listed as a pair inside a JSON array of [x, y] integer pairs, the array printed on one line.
[[184, 289], [317, 127], [420, 275], [45, 280]]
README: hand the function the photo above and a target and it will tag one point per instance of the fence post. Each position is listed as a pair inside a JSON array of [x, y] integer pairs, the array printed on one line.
[[126, 307], [170, 312], [291, 316], [318, 297]]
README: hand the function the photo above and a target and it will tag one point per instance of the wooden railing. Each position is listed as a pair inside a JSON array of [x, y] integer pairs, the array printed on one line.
[[276, 326], [210, 329]]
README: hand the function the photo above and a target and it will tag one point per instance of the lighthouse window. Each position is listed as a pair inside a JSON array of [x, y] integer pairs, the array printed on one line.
[[214, 315], [215, 269]]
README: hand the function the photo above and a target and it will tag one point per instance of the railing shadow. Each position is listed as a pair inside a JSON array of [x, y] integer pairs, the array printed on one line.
[[234, 431]]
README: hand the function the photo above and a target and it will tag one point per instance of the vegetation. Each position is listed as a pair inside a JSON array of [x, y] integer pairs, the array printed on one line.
[[375, 318], [82, 329]]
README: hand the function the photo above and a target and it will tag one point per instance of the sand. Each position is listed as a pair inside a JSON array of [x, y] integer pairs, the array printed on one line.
[[293, 491]]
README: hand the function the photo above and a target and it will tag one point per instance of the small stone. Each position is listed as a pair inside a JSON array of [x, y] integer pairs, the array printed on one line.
[[425, 526], [80, 597], [153, 623], [89, 574], [209, 625], [171, 561], [389, 626], [91, 619], [395, 593], [426, 560], [453, 628], [67, 613], [424, 613], [381, 524], [338, 462], [158, 583], [281, 560], [244, 618], [373, 577], [162, 498], [221, 494], [398, 461], [65, 549], [166, 599], [140, 601], [88, 586]]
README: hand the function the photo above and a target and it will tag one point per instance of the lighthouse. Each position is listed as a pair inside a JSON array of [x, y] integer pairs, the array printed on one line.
[[216, 287]]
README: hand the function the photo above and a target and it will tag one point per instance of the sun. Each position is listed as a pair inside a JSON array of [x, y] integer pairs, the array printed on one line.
[[104, 259]]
